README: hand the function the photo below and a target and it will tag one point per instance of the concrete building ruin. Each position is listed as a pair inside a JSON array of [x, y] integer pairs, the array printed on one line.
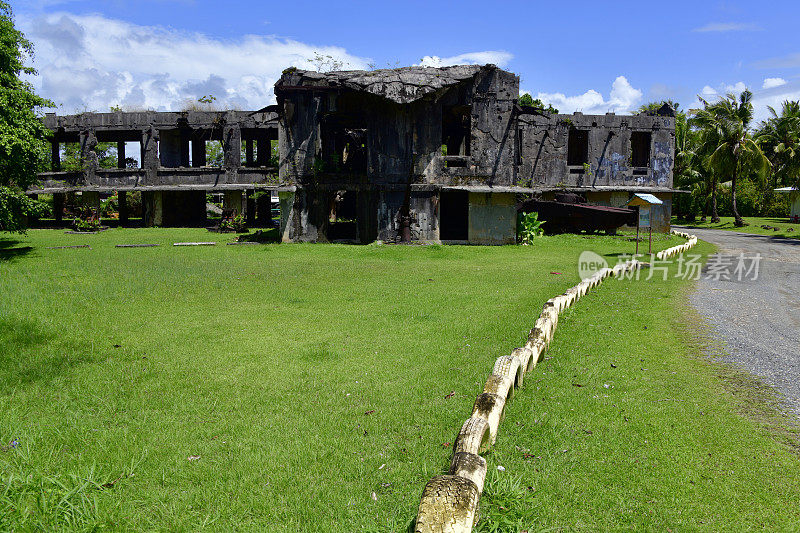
[[172, 176], [415, 153]]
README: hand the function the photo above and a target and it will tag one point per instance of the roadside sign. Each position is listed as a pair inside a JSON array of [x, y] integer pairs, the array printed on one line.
[[644, 201], [644, 216]]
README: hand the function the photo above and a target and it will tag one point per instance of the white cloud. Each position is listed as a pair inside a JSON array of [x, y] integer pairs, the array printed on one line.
[[495, 57], [774, 92], [736, 88], [774, 96], [723, 27], [770, 83], [787, 61], [623, 98], [708, 91], [90, 62]]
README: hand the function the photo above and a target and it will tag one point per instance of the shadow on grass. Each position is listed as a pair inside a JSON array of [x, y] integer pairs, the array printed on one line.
[[32, 354], [9, 249]]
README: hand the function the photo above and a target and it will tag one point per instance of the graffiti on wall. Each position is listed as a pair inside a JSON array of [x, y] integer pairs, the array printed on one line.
[[661, 163], [610, 167]]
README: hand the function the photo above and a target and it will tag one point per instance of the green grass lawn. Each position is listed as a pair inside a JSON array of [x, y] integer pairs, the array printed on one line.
[[786, 229], [279, 387], [626, 425]]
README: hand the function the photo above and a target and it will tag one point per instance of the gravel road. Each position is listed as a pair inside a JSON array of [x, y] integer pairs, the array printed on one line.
[[757, 319]]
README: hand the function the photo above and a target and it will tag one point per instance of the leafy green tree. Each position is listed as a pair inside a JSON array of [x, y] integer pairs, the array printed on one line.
[[215, 155], [735, 154], [23, 147], [779, 138], [687, 170], [106, 156], [653, 107], [528, 101]]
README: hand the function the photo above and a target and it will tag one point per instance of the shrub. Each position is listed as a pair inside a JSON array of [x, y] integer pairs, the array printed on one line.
[[529, 226], [86, 224], [236, 223]]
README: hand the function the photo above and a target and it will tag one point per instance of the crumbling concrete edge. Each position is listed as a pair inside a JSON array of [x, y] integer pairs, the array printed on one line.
[[449, 502]]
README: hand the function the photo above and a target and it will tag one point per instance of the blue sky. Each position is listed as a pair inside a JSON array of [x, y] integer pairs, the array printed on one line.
[[588, 56]]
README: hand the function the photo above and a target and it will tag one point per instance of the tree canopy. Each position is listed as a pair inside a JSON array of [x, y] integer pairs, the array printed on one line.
[[779, 137], [734, 153], [23, 150], [528, 101]]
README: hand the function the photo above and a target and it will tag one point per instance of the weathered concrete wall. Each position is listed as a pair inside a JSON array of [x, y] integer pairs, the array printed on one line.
[[164, 140], [403, 141], [608, 198], [236, 201], [91, 200], [424, 215], [492, 218], [543, 145], [153, 208]]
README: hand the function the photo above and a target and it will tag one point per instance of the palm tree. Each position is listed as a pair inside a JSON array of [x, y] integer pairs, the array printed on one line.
[[706, 184], [779, 138], [735, 153], [687, 177]]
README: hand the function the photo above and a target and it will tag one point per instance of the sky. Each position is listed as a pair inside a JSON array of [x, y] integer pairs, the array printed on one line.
[[593, 57]]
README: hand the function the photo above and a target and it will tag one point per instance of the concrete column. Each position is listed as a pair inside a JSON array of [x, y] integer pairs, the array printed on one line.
[[287, 200], [250, 210], [153, 205], [58, 207], [88, 142], [149, 157], [248, 152], [232, 146], [263, 150], [91, 200], [367, 216], [55, 156], [198, 150], [120, 154], [184, 148], [236, 201], [122, 199], [169, 148]]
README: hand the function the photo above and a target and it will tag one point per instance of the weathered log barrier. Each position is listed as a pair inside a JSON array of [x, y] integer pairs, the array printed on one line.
[[449, 502]]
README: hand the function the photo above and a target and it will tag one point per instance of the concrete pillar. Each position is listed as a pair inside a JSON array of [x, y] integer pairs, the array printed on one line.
[[250, 210], [248, 155], [91, 200], [89, 160], [287, 200], [58, 207], [236, 201], [367, 216], [55, 156], [232, 146], [169, 148], [122, 199], [263, 150], [198, 150], [185, 138], [120, 154], [153, 206], [149, 156]]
